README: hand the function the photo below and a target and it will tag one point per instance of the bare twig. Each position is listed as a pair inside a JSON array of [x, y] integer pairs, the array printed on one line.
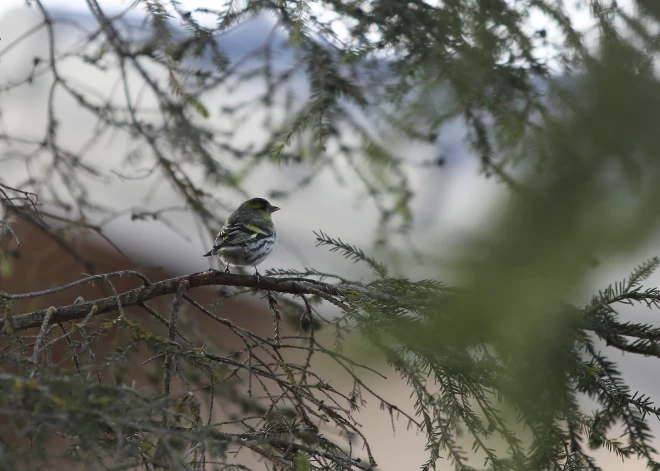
[[174, 315], [41, 339], [87, 279]]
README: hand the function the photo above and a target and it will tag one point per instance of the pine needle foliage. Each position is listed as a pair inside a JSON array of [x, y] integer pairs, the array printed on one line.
[[471, 393], [351, 252]]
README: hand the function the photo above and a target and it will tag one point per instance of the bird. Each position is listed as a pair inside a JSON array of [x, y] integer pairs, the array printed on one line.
[[248, 237]]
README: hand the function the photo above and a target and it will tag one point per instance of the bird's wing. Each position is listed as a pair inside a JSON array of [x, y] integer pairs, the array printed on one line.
[[239, 233]]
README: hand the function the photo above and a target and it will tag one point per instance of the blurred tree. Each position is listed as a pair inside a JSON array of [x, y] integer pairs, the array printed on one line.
[[508, 359]]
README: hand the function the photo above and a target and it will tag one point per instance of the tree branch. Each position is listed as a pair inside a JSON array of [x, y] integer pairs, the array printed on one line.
[[142, 294]]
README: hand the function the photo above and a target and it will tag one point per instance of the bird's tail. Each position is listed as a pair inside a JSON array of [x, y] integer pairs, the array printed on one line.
[[214, 251]]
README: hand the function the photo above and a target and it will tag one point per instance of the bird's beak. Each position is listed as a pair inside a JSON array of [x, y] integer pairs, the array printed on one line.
[[274, 208]]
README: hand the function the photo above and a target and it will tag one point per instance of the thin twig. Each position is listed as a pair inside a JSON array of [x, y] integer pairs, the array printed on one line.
[[41, 338], [169, 358]]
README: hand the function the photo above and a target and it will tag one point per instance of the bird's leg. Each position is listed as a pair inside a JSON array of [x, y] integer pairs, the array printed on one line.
[[256, 273], [227, 269]]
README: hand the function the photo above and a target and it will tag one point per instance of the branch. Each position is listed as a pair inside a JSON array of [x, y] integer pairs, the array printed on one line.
[[140, 295], [169, 359]]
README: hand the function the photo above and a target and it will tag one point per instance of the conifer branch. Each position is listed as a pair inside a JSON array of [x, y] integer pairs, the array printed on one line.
[[139, 296], [350, 251]]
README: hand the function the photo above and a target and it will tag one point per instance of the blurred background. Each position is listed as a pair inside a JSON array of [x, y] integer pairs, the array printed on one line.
[[148, 219]]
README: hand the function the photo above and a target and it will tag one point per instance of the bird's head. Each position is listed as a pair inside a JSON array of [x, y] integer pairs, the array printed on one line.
[[259, 204]]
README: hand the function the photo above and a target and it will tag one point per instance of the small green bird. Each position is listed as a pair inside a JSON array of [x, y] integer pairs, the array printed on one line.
[[248, 237]]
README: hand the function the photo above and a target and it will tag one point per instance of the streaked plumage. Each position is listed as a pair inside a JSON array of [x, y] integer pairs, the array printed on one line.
[[248, 237]]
